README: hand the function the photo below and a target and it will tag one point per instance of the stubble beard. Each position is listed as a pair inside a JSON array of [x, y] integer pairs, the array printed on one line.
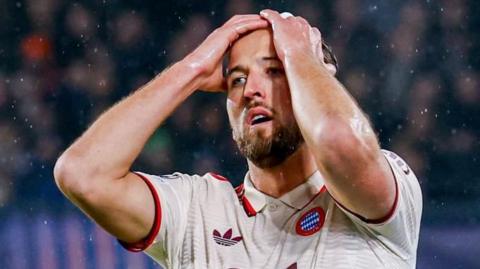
[[270, 151]]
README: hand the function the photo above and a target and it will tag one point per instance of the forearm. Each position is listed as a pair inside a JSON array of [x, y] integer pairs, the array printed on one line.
[[114, 141], [321, 103], [336, 132], [94, 172], [341, 140]]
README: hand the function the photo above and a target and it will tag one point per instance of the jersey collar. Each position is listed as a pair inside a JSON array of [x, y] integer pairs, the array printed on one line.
[[297, 198]]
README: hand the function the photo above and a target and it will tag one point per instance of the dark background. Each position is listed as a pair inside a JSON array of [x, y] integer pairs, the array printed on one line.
[[412, 65]]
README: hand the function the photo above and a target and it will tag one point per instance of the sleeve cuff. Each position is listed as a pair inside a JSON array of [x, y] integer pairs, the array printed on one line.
[[383, 219], [149, 239]]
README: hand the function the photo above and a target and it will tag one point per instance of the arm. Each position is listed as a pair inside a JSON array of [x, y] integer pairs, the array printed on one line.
[[335, 129], [94, 171]]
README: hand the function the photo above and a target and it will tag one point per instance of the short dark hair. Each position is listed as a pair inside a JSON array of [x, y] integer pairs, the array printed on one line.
[[328, 55]]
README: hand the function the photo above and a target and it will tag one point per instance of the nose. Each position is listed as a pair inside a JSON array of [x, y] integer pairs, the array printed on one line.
[[255, 87]]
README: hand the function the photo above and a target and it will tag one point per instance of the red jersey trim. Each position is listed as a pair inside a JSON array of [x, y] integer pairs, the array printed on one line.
[[379, 220], [219, 177], [322, 190], [240, 190], [247, 206], [148, 240]]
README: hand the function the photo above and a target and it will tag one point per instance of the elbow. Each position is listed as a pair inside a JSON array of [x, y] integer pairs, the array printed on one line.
[[70, 175], [61, 173]]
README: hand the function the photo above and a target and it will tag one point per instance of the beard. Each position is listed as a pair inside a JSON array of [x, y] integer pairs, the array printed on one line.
[[271, 151]]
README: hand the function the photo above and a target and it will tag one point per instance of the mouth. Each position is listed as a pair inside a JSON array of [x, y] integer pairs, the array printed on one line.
[[260, 119], [258, 115]]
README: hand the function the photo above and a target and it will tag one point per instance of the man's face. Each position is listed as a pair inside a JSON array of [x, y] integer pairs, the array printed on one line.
[[258, 103]]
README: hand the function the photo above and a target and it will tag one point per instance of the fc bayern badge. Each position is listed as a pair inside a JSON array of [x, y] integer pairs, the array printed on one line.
[[310, 222]]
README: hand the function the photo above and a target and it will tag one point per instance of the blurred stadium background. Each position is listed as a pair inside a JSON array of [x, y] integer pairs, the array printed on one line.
[[413, 66]]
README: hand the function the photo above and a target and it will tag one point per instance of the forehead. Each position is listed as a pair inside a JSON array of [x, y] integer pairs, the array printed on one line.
[[252, 46]]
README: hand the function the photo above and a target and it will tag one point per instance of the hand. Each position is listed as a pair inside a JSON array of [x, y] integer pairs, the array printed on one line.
[[208, 57], [294, 34]]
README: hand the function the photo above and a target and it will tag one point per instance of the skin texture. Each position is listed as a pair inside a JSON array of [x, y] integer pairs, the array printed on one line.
[[256, 79], [260, 78], [292, 83]]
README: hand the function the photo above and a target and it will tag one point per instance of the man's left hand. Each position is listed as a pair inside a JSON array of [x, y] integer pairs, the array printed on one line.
[[293, 34]]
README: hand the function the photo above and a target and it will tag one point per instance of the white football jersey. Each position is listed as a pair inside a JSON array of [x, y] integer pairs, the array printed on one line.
[[203, 222]]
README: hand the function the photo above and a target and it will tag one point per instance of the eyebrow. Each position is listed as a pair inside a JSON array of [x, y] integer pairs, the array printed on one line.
[[243, 69], [271, 58], [238, 68]]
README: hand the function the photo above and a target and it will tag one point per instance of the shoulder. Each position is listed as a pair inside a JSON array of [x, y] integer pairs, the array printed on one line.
[[396, 161], [205, 183], [404, 175], [216, 178], [407, 181], [210, 177], [400, 228], [218, 183]]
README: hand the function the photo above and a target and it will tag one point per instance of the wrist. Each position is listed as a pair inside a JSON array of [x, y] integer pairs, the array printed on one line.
[[178, 79], [189, 72], [299, 55], [294, 59], [303, 60], [201, 74]]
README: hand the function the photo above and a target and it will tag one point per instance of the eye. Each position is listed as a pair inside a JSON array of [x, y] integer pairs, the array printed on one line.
[[239, 81], [275, 71]]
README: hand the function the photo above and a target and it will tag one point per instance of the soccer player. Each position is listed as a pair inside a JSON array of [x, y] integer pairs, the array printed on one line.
[[319, 192]]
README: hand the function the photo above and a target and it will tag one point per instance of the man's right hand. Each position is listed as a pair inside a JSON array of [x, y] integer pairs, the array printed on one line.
[[207, 58]]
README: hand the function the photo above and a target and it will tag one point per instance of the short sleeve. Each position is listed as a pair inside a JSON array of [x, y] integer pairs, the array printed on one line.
[[399, 230], [172, 195]]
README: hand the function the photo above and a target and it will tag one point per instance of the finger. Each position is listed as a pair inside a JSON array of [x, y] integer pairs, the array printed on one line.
[[271, 15], [240, 28], [239, 18], [302, 21], [248, 25], [316, 45], [316, 33], [319, 51], [243, 22], [286, 15], [316, 40]]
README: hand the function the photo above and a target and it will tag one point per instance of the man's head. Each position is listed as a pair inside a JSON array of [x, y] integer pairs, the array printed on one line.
[[258, 103]]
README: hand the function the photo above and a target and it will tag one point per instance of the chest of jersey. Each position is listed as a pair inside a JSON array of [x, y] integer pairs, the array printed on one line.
[[279, 236], [208, 224]]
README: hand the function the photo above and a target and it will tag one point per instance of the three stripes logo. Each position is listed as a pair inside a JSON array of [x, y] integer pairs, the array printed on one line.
[[226, 239], [310, 222]]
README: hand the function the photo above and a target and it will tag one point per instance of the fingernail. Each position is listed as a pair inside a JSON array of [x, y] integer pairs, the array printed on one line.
[[286, 15], [264, 13]]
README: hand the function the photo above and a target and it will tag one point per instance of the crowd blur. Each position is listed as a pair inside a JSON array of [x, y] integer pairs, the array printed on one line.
[[413, 66]]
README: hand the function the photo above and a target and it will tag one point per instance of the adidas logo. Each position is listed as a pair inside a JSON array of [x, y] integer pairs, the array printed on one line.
[[226, 239]]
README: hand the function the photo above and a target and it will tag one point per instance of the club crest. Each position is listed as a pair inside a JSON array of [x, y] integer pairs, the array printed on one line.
[[310, 222]]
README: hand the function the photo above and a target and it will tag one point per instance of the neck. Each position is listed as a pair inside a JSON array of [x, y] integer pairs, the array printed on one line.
[[278, 180]]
